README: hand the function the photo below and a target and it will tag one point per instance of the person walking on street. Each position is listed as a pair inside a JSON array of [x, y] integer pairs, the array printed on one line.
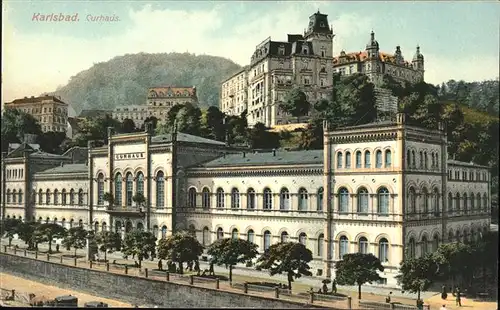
[[334, 286], [459, 298], [160, 265]]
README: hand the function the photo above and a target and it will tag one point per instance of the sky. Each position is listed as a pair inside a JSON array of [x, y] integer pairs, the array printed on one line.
[[459, 40]]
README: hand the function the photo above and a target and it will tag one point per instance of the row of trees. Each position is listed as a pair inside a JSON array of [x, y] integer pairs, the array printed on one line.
[[450, 262]]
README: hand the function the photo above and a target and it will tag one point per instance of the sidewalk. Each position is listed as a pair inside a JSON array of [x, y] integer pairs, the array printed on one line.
[[305, 282]]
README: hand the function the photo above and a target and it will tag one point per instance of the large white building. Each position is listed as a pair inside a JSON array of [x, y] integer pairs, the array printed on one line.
[[385, 188]]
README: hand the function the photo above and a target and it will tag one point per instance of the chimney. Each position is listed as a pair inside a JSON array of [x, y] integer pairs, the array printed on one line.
[[274, 152]]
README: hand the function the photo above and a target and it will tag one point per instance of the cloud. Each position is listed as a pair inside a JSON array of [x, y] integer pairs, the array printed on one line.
[[37, 63]]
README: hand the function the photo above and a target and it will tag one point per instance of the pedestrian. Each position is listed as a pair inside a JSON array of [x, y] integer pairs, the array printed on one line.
[[211, 270], [197, 267], [57, 248], [325, 289], [334, 286], [443, 307], [160, 265], [388, 298], [458, 301]]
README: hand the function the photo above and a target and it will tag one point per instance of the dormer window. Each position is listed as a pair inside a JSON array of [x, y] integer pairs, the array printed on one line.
[[281, 51], [305, 50], [322, 25]]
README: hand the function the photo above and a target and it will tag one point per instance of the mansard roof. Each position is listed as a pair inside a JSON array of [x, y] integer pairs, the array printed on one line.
[[268, 158], [355, 57], [67, 168], [184, 137]]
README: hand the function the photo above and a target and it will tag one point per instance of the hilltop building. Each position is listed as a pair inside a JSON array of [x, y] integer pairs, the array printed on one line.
[[50, 111], [306, 61], [159, 101], [385, 188]]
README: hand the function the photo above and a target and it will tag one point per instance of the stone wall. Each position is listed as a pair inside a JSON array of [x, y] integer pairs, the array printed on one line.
[[132, 289]]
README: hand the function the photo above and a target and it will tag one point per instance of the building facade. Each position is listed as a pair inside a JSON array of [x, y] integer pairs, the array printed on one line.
[[234, 93], [50, 111], [385, 188], [376, 64], [159, 101]]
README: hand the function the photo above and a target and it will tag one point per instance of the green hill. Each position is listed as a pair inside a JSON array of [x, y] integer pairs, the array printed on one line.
[[124, 80]]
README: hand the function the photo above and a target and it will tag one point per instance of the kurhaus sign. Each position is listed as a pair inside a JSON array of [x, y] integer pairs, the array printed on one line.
[[122, 156]]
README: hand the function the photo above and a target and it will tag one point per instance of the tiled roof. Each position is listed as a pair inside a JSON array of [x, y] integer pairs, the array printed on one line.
[[463, 163], [184, 137], [67, 168], [171, 91], [41, 154], [268, 158], [33, 99]]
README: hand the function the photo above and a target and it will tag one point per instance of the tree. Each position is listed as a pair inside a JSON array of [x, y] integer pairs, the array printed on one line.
[[128, 126], [213, 124], [109, 198], [295, 103], [47, 232], [96, 129], [454, 259], [108, 242], [139, 243], [260, 138], [181, 247], [26, 232], [139, 199], [15, 124], [52, 142], [358, 269], [76, 238], [189, 120], [230, 252], [417, 274], [10, 227], [150, 119], [286, 257]]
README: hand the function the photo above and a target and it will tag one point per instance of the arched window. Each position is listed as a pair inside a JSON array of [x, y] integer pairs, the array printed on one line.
[[425, 201], [9, 197], [47, 197], [80, 223], [251, 199], [303, 198], [129, 189], [383, 201], [63, 222], [140, 226], [302, 238], [457, 201], [450, 236], [348, 160], [343, 246], [472, 202], [321, 242], [450, 203], [363, 245], [250, 236], [206, 236], [267, 240], [192, 197], [421, 160], [96, 227], [435, 243], [362, 200], [63, 197], [412, 200], [20, 196], [343, 200], [426, 161], [40, 197], [339, 160], [413, 159], [56, 197], [192, 230], [383, 250], [205, 198], [160, 189], [408, 159], [432, 160], [118, 189], [435, 202], [466, 203], [163, 232], [284, 199], [411, 248], [466, 236], [105, 228], [485, 202], [457, 236], [14, 196], [378, 159], [368, 159], [70, 222], [388, 158], [220, 233], [140, 183], [284, 236], [235, 198], [100, 189], [268, 199], [358, 159], [437, 160], [319, 199], [478, 201], [80, 197], [234, 234], [424, 244], [220, 198]]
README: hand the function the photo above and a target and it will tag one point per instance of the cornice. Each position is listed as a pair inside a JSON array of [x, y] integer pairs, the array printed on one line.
[[356, 137], [256, 171], [70, 176]]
